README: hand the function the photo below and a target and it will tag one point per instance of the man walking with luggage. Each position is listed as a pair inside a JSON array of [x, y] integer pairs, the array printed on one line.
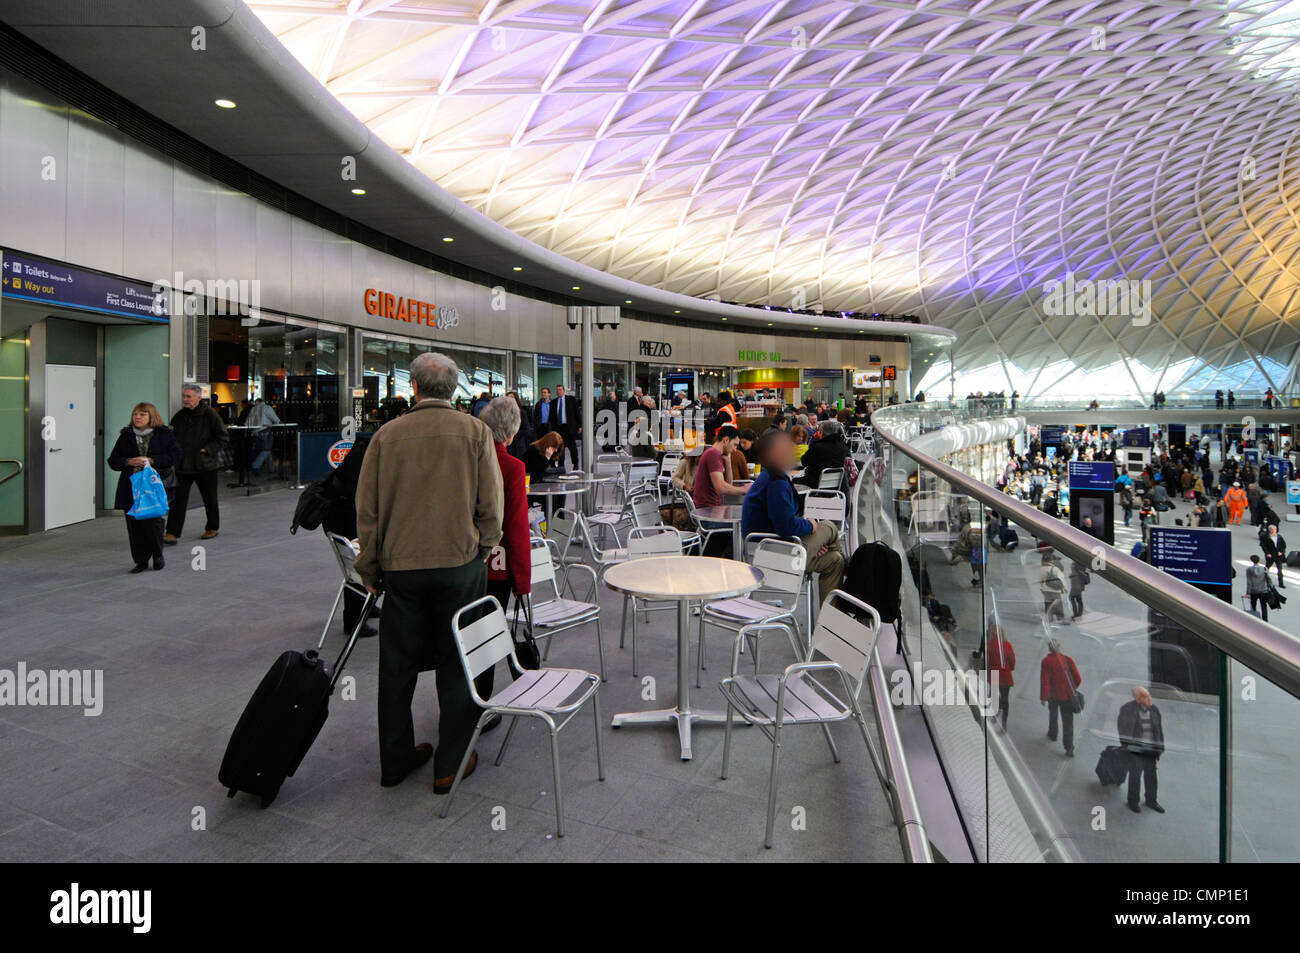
[[1142, 733], [429, 511], [201, 434], [1274, 547]]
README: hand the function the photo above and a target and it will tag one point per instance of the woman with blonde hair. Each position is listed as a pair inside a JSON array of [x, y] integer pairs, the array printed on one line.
[[800, 437], [146, 442]]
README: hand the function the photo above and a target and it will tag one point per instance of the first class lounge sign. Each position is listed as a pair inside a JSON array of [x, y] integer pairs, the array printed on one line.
[[413, 310]]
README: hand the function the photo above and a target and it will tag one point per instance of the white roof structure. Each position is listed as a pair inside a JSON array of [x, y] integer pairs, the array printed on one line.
[[1100, 186]]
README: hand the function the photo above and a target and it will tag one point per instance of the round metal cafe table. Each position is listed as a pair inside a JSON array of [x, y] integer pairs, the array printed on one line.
[[728, 513], [683, 579], [548, 490]]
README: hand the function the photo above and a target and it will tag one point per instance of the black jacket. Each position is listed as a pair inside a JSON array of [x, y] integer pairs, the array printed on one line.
[[201, 435], [572, 415], [823, 454], [535, 464], [341, 518], [1273, 548], [1127, 723], [163, 449]]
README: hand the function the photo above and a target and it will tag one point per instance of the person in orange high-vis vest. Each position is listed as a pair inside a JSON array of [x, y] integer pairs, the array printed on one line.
[[1236, 500]]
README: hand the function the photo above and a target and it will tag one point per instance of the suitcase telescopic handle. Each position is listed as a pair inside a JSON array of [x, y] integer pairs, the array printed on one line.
[[362, 617]]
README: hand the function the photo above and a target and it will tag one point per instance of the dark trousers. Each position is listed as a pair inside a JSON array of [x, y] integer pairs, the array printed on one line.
[[1271, 561], [146, 539], [1259, 600], [207, 484], [1004, 703], [1141, 769], [570, 435], [414, 636], [1065, 712], [1076, 604]]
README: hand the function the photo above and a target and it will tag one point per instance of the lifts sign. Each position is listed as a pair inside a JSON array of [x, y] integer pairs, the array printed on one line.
[[386, 305]]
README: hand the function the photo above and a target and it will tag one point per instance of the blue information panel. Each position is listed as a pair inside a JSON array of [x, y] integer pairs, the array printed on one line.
[[47, 282], [550, 362], [1092, 475], [1293, 492], [1197, 555], [1137, 437], [1278, 466], [1051, 436]]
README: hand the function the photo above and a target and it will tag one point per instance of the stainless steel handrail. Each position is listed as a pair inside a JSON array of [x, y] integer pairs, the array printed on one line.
[[17, 463], [906, 809], [1263, 648]]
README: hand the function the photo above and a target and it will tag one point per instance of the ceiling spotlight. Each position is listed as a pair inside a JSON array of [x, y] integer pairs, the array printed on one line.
[[225, 103], [627, 300], [448, 238], [358, 191], [577, 287], [518, 268], [676, 312], [769, 324]]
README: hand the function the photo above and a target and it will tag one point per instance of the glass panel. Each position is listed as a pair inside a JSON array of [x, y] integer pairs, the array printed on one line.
[[13, 425]]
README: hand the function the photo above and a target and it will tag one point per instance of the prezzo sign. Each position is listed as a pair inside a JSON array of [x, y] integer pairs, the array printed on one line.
[[772, 356], [656, 349], [386, 305]]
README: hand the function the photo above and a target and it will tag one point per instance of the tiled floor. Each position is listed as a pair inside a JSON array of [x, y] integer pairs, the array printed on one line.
[[181, 651]]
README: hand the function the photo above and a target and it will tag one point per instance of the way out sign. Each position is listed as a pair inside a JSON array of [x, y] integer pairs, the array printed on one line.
[[337, 452]]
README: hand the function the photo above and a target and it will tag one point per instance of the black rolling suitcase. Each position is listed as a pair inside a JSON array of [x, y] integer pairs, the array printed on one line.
[[283, 718], [1112, 766], [1293, 559]]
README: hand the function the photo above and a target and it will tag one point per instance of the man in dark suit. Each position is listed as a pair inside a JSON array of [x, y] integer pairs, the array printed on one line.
[[1142, 733], [565, 420], [542, 414]]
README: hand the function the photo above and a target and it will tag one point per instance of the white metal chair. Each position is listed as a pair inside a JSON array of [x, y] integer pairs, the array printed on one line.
[[826, 506], [796, 697], [782, 564], [610, 465], [554, 695], [549, 617], [644, 542], [667, 466], [341, 546], [642, 475], [644, 507], [831, 478], [704, 533]]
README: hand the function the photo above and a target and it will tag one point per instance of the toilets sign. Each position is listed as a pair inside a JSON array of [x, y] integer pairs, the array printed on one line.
[[46, 282]]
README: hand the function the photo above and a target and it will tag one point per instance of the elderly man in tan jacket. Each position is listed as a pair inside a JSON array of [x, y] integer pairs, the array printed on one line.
[[429, 505]]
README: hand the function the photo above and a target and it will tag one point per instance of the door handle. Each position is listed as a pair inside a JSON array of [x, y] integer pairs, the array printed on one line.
[[56, 449]]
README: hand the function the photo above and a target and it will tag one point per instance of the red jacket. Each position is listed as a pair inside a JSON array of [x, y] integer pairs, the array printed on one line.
[[512, 559], [1002, 659], [1052, 678]]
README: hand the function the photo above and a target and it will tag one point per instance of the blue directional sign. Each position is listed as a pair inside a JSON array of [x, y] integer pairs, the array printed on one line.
[[27, 278], [1198, 555], [1092, 475]]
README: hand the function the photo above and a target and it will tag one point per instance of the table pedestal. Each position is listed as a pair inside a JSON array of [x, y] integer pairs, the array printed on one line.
[[682, 713]]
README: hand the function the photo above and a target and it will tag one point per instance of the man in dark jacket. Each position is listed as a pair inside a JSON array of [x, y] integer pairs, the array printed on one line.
[[566, 419], [828, 452], [201, 435], [341, 518], [1274, 546], [1142, 733]]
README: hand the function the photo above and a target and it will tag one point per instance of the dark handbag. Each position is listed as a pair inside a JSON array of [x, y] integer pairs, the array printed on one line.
[[526, 650], [1076, 696]]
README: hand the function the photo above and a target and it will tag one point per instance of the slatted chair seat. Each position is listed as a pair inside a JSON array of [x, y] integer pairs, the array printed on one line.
[[553, 690], [743, 609], [562, 612], [805, 700]]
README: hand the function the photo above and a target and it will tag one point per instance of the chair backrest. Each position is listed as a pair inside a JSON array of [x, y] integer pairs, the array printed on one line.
[[608, 464], [688, 501], [824, 505], [830, 478], [645, 509], [347, 558], [640, 474], [668, 464], [643, 541], [543, 569], [782, 564], [845, 638], [483, 642]]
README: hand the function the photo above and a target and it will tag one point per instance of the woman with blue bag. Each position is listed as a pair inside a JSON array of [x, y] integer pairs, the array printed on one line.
[[145, 456]]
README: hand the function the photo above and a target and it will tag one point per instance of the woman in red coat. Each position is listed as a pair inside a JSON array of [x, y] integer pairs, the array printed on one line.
[[1058, 680], [1000, 658], [510, 565]]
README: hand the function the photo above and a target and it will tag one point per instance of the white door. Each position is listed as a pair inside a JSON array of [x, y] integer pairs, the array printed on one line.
[[69, 432]]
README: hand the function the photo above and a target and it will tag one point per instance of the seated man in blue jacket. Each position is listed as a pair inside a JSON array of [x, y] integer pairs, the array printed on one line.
[[770, 508]]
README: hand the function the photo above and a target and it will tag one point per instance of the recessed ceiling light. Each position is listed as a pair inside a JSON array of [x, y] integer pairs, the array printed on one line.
[[769, 324], [358, 191], [518, 268], [448, 238], [225, 103], [724, 319], [676, 312], [577, 287], [627, 300]]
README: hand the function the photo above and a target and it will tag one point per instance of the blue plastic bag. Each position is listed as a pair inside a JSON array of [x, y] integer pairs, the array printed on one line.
[[149, 493]]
